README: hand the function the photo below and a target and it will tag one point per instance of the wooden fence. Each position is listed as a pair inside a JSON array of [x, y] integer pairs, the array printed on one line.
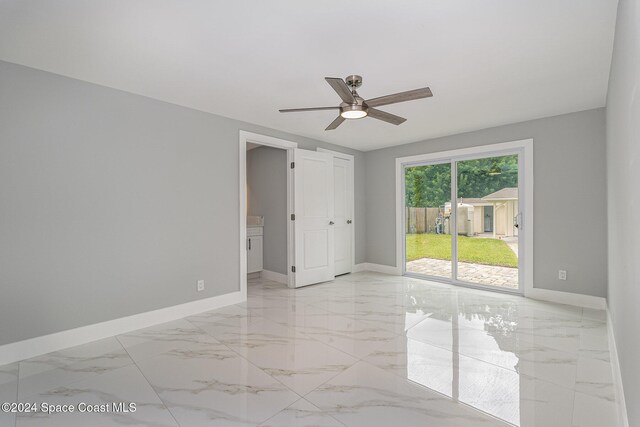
[[420, 220]]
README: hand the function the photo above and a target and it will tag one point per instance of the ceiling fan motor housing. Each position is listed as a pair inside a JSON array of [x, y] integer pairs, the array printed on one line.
[[354, 111], [354, 81]]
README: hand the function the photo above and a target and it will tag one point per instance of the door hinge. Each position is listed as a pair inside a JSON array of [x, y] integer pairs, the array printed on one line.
[[293, 165], [293, 217], [293, 268]]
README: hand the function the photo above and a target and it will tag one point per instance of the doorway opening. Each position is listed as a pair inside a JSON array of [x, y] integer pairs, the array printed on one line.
[[267, 213], [254, 202], [488, 218], [318, 219]]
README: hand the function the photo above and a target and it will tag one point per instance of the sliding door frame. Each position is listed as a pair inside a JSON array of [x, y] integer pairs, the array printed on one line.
[[524, 149]]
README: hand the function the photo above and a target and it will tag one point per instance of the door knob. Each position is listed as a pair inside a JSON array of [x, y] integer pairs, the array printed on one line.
[[331, 222], [348, 221]]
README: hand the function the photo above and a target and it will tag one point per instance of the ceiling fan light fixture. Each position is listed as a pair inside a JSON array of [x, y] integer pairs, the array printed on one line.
[[353, 112], [353, 106]]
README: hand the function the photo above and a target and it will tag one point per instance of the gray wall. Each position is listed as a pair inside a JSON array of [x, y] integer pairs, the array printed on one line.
[[267, 196], [113, 204], [570, 196], [623, 178]]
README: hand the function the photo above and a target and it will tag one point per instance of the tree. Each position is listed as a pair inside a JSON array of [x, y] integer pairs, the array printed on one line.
[[430, 185]]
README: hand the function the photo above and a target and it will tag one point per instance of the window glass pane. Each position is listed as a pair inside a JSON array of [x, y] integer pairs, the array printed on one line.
[[428, 220], [488, 211]]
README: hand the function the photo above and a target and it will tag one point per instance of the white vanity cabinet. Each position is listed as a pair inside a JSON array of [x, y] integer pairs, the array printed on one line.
[[254, 249]]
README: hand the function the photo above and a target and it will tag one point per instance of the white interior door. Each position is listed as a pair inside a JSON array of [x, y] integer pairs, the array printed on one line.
[[314, 217], [343, 214]]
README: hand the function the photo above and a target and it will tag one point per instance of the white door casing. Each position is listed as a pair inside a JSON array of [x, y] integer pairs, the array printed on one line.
[[244, 138], [314, 217]]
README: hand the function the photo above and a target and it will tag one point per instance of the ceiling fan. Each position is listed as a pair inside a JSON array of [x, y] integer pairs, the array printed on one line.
[[355, 107]]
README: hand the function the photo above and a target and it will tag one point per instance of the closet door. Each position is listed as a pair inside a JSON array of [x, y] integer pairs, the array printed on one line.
[[343, 214]]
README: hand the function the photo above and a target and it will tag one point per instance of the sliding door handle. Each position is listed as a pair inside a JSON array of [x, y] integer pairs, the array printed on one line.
[[517, 220]]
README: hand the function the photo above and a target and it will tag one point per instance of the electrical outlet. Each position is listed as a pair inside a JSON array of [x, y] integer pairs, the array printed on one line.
[[562, 274], [200, 285]]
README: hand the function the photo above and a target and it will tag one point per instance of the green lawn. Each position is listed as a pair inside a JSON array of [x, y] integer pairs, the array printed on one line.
[[478, 251]]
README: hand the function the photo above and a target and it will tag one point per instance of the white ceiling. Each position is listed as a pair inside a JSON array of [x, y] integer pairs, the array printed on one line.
[[487, 62]]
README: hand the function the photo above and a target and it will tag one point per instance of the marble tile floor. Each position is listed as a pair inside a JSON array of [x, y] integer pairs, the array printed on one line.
[[363, 350]]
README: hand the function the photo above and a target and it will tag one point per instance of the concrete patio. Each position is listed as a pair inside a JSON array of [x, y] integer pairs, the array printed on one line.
[[502, 277]]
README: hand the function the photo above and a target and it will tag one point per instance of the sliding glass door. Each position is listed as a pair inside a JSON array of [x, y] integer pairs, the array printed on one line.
[[428, 244], [474, 240], [488, 200]]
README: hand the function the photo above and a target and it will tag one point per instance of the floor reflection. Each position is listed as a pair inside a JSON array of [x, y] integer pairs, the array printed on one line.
[[484, 386]]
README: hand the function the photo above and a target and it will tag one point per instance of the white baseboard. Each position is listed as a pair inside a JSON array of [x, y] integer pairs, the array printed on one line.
[[37, 346], [378, 268], [623, 418], [357, 268], [275, 277], [587, 301]]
